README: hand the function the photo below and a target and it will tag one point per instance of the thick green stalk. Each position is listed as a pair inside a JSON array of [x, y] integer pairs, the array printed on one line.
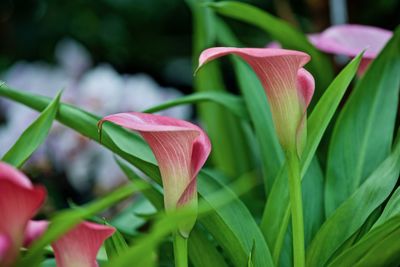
[[296, 208], [180, 250]]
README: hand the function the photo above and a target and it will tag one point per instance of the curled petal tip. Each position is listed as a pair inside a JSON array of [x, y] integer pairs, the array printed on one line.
[[305, 85]]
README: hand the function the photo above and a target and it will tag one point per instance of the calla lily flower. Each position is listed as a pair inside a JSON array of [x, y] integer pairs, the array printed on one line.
[[288, 86], [19, 202], [79, 246], [350, 40], [180, 148]]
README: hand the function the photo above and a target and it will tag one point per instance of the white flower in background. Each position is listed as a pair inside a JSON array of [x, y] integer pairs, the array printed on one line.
[[73, 58], [100, 90]]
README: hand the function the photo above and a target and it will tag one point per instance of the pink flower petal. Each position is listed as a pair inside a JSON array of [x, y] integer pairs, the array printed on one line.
[[288, 87], [34, 230], [274, 44], [5, 244], [181, 149], [8, 172], [19, 202], [305, 85], [79, 246], [350, 40], [313, 37]]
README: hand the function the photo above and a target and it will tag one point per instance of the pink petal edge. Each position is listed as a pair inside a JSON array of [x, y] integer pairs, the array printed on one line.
[[305, 85], [19, 202], [150, 123], [34, 230], [8, 172], [79, 246], [5, 244], [351, 39]]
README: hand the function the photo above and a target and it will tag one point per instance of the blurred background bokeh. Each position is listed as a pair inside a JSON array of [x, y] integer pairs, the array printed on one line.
[[122, 55]]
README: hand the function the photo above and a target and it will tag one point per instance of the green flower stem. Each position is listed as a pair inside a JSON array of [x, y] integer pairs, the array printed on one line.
[[296, 208], [180, 250]]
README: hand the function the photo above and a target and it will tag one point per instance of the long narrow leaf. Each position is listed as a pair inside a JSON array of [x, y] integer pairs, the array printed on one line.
[[363, 133], [380, 247], [33, 136], [392, 208], [351, 215], [231, 102]]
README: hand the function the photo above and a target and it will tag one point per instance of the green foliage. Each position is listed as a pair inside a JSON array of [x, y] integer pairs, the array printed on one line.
[[363, 133], [33, 136], [351, 208], [66, 220], [235, 239], [351, 215], [115, 245], [231, 102], [380, 247]]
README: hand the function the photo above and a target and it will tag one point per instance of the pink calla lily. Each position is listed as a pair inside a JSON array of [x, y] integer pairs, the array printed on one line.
[[19, 202], [350, 40], [180, 148], [288, 86], [79, 246]]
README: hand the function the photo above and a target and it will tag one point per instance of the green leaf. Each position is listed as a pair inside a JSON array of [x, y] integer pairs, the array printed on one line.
[[33, 136], [380, 247], [231, 153], [251, 256], [392, 208], [233, 226], [324, 110], [283, 32], [115, 245], [277, 206], [66, 220], [242, 228], [202, 250], [351, 215], [231, 102], [363, 133]]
